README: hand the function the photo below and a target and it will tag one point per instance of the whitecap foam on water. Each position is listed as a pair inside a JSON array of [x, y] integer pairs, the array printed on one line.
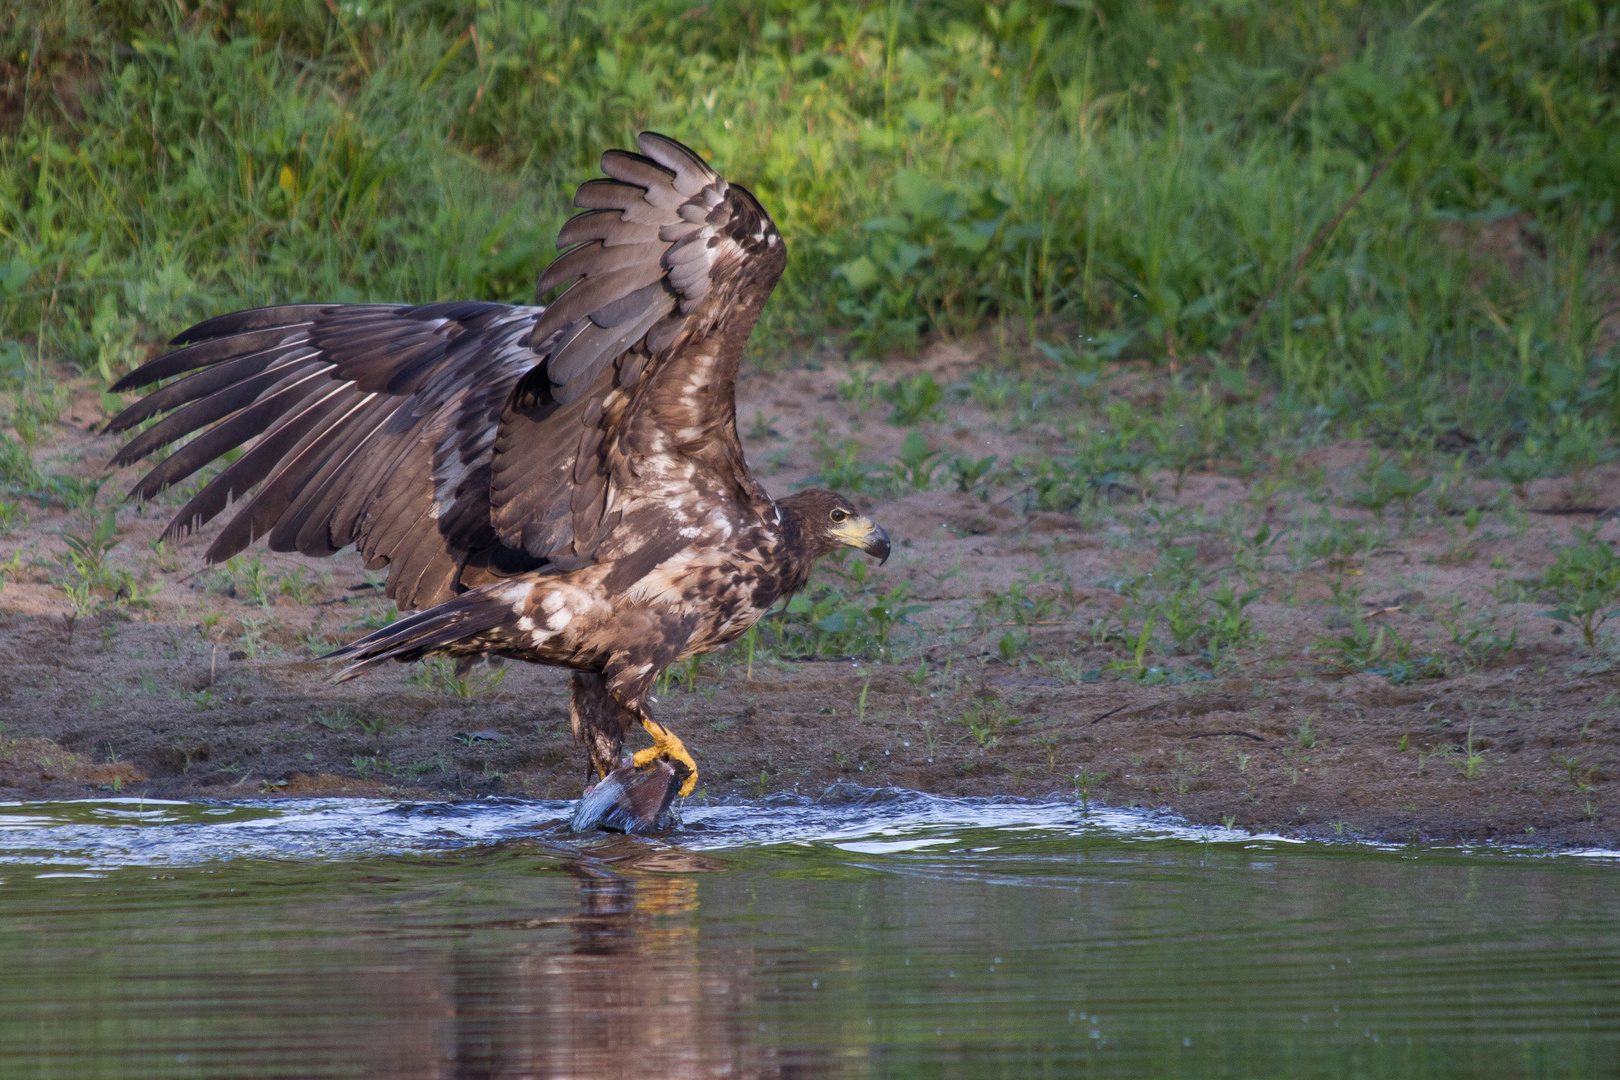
[[99, 834], [107, 833]]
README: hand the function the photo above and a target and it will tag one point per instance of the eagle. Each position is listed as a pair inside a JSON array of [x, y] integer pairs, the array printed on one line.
[[561, 484]]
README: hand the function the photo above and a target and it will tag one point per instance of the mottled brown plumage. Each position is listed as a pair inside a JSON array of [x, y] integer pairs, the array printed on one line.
[[558, 484]]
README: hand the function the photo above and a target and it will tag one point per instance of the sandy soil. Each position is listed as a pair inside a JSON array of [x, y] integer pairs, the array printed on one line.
[[205, 686]]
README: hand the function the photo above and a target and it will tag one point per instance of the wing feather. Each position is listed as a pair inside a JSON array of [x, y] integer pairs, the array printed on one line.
[[666, 253], [340, 411], [439, 436]]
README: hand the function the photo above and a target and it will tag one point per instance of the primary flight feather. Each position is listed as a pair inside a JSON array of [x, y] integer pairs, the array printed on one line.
[[559, 484]]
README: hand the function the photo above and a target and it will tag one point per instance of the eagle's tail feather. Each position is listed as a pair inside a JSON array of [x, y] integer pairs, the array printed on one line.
[[424, 633]]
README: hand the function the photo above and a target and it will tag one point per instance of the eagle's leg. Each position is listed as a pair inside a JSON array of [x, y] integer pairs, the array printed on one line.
[[599, 720], [666, 745]]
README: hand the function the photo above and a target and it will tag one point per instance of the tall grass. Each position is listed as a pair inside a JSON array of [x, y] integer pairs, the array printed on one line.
[[1121, 179]]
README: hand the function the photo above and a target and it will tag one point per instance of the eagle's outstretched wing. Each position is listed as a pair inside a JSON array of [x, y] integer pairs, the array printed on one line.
[[454, 441]]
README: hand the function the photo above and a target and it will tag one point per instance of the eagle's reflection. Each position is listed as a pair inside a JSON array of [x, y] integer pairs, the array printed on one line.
[[617, 990]]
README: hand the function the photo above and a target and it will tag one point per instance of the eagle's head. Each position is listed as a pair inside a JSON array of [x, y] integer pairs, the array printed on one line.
[[820, 522]]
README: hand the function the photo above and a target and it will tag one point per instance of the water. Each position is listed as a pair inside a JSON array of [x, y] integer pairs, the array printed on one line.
[[890, 936]]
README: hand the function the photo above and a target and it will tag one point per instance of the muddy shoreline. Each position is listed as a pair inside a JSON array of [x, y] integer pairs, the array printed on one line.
[[1373, 762]]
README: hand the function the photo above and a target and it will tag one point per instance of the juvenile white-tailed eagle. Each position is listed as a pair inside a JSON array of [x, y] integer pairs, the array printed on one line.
[[558, 484]]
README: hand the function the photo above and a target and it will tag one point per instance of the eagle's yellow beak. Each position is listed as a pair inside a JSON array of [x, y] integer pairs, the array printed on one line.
[[860, 532]]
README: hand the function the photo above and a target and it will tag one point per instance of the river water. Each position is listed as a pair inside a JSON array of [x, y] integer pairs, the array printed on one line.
[[863, 934]]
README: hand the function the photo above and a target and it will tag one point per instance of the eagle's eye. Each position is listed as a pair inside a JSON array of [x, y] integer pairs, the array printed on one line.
[[838, 516]]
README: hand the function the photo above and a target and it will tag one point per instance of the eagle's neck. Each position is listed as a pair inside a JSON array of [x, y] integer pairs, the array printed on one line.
[[797, 552]]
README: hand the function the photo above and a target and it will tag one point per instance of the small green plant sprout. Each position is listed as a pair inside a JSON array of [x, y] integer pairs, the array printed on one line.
[[444, 676], [860, 702], [914, 399], [839, 466], [1580, 778], [75, 492], [376, 620], [376, 728], [1584, 581], [335, 718], [917, 464], [1136, 667], [859, 389], [85, 562], [1358, 650], [764, 427], [11, 568], [919, 677], [257, 586], [1475, 637], [1305, 734], [685, 673], [1472, 765], [372, 766], [252, 637], [299, 585], [984, 719], [1230, 627], [930, 735], [1385, 482], [1012, 647], [1051, 743], [970, 473], [1085, 782]]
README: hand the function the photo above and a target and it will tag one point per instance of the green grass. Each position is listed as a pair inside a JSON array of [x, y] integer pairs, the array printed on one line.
[[1120, 181]]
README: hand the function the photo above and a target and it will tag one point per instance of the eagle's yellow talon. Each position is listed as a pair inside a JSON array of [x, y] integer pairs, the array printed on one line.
[[666, 745]]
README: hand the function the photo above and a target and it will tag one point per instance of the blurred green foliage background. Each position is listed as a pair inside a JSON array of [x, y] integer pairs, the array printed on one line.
[[1119, 180]]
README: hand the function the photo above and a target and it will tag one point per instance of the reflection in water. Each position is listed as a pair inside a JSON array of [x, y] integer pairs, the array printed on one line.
[[626, 997]]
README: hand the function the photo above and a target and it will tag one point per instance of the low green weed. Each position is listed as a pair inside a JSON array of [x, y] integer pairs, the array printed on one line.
[[839, 467], [87, 578], [257, 583], [1136, 666], [985, 721], [373, 766], [917, 464], [1383, 482], [859, 389], [971, 474], [1581, 775], [1472, 765], [829, 620], [1474, 636], [1584, 581], [914, 399], [252, 638], [299, 585], [1359, 649], [439, 675], [335, 718], [1085, 782], [1024, 602], [376, 727], [376, 620]]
